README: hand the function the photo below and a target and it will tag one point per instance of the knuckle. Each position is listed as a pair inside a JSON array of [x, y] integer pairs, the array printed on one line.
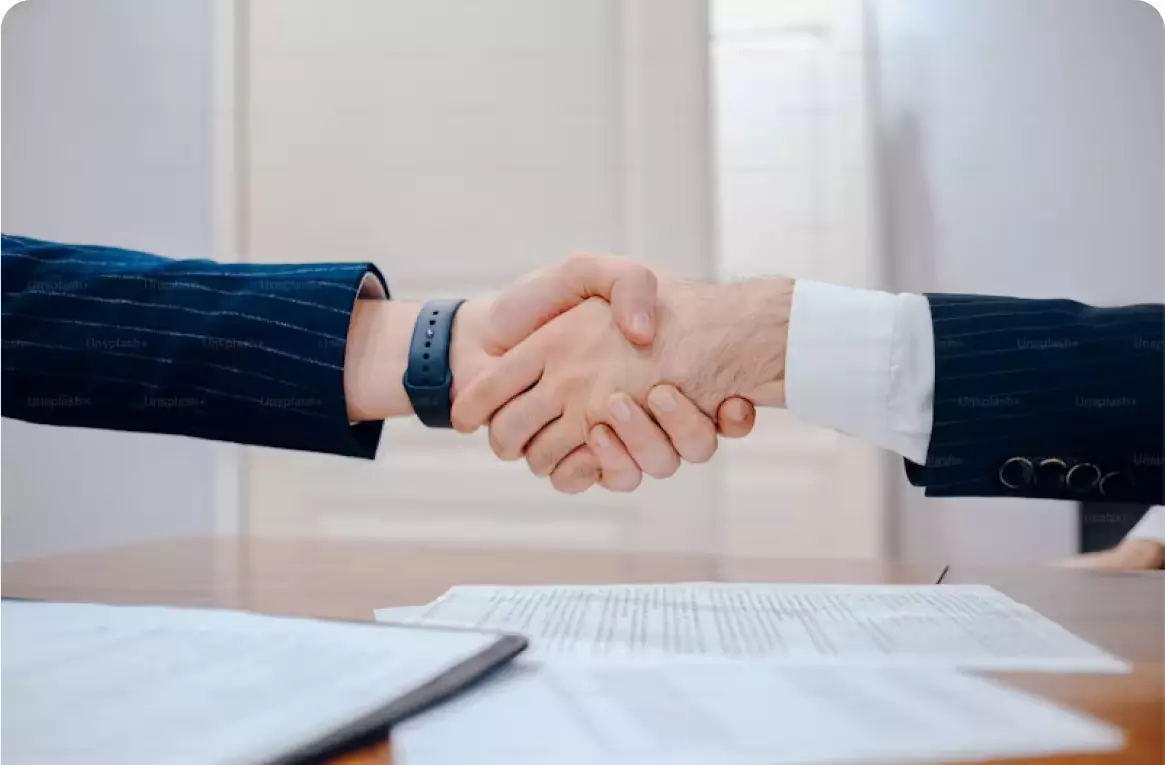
[[537, 462], [538, 413], [503, 443], [664, 466], [543, 458], [470, 407], [570, 484], [461, 422], [575, 476], [621, 480], [579, 261], [494, 444], [596, 409], [700, 445], [702, 451]]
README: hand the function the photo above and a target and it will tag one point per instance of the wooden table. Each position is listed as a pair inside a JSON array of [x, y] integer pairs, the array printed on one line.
[[1122, 613], [350, 579]]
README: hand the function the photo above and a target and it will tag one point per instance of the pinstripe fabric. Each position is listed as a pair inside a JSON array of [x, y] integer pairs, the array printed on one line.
[[1046, 381], [106, 338]]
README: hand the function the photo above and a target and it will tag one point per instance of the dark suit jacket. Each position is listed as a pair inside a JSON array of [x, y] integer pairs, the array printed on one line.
[[106, 338], [1046, 398]]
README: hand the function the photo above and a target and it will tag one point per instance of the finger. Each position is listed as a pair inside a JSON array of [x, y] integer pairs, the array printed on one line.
[[633, 296], [618, 472], [647, 444], [503, 381], [1087, 560], [1129, 555], [690, 431], [552, 445], [534, 300], [735, 418], [519, 421], [577, 473]]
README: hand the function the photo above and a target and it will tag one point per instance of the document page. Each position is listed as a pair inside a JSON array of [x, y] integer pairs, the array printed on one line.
[[651, 712], [970, 626], [400, 614], [91, 684]]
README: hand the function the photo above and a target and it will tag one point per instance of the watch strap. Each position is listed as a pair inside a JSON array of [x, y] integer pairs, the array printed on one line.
[[428, 380]]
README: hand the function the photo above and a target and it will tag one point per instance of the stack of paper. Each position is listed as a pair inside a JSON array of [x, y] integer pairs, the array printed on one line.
[[967, 626], [755, 673], [570, 713]]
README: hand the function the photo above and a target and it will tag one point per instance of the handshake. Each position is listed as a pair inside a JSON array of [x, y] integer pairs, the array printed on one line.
[[595, 370]]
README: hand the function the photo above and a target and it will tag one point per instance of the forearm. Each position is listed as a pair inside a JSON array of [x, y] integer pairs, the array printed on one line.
[[121, 340]]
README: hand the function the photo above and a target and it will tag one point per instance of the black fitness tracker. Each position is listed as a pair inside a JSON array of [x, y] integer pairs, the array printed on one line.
[[427, 379]]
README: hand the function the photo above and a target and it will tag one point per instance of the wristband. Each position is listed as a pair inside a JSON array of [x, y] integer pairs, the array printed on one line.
[[428, 380]]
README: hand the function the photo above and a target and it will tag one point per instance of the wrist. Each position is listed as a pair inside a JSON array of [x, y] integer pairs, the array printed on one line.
[[377, 355], [376, 358], [724, 340]]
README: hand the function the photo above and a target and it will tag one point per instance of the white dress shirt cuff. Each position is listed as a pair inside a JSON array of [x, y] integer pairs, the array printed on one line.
[[862, 362]]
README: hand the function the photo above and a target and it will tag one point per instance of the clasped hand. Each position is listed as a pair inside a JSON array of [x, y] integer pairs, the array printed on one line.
[[595, 372]]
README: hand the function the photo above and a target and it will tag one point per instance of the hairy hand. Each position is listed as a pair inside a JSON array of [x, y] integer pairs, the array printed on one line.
[[718, 341]]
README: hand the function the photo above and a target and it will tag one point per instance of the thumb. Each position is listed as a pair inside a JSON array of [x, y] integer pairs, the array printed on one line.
[[536, 299], [735, 417], [633, 297]]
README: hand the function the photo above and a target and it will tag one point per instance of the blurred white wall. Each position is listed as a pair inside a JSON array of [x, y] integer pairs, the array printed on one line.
[[1022, 155], [106, 139]]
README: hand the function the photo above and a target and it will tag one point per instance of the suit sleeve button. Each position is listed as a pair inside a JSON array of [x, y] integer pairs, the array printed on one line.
[[1016, 472], [1083, 477], [1116, 484], [1050, 473]]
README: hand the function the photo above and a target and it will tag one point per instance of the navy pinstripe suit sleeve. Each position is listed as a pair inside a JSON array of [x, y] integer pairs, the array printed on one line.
[[1046, 398], [100, 337]]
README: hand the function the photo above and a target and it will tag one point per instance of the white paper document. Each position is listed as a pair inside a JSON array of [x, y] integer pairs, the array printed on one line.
[[86, 684], [400, 614], [648, 713], [969, 626]]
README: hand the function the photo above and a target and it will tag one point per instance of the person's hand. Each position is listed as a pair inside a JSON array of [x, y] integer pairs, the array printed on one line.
[[380, 334], [638, 443], [1130, 555], [713, 342]]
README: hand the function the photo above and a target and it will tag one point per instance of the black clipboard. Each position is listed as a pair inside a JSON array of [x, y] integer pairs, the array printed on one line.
[[373, 727]]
